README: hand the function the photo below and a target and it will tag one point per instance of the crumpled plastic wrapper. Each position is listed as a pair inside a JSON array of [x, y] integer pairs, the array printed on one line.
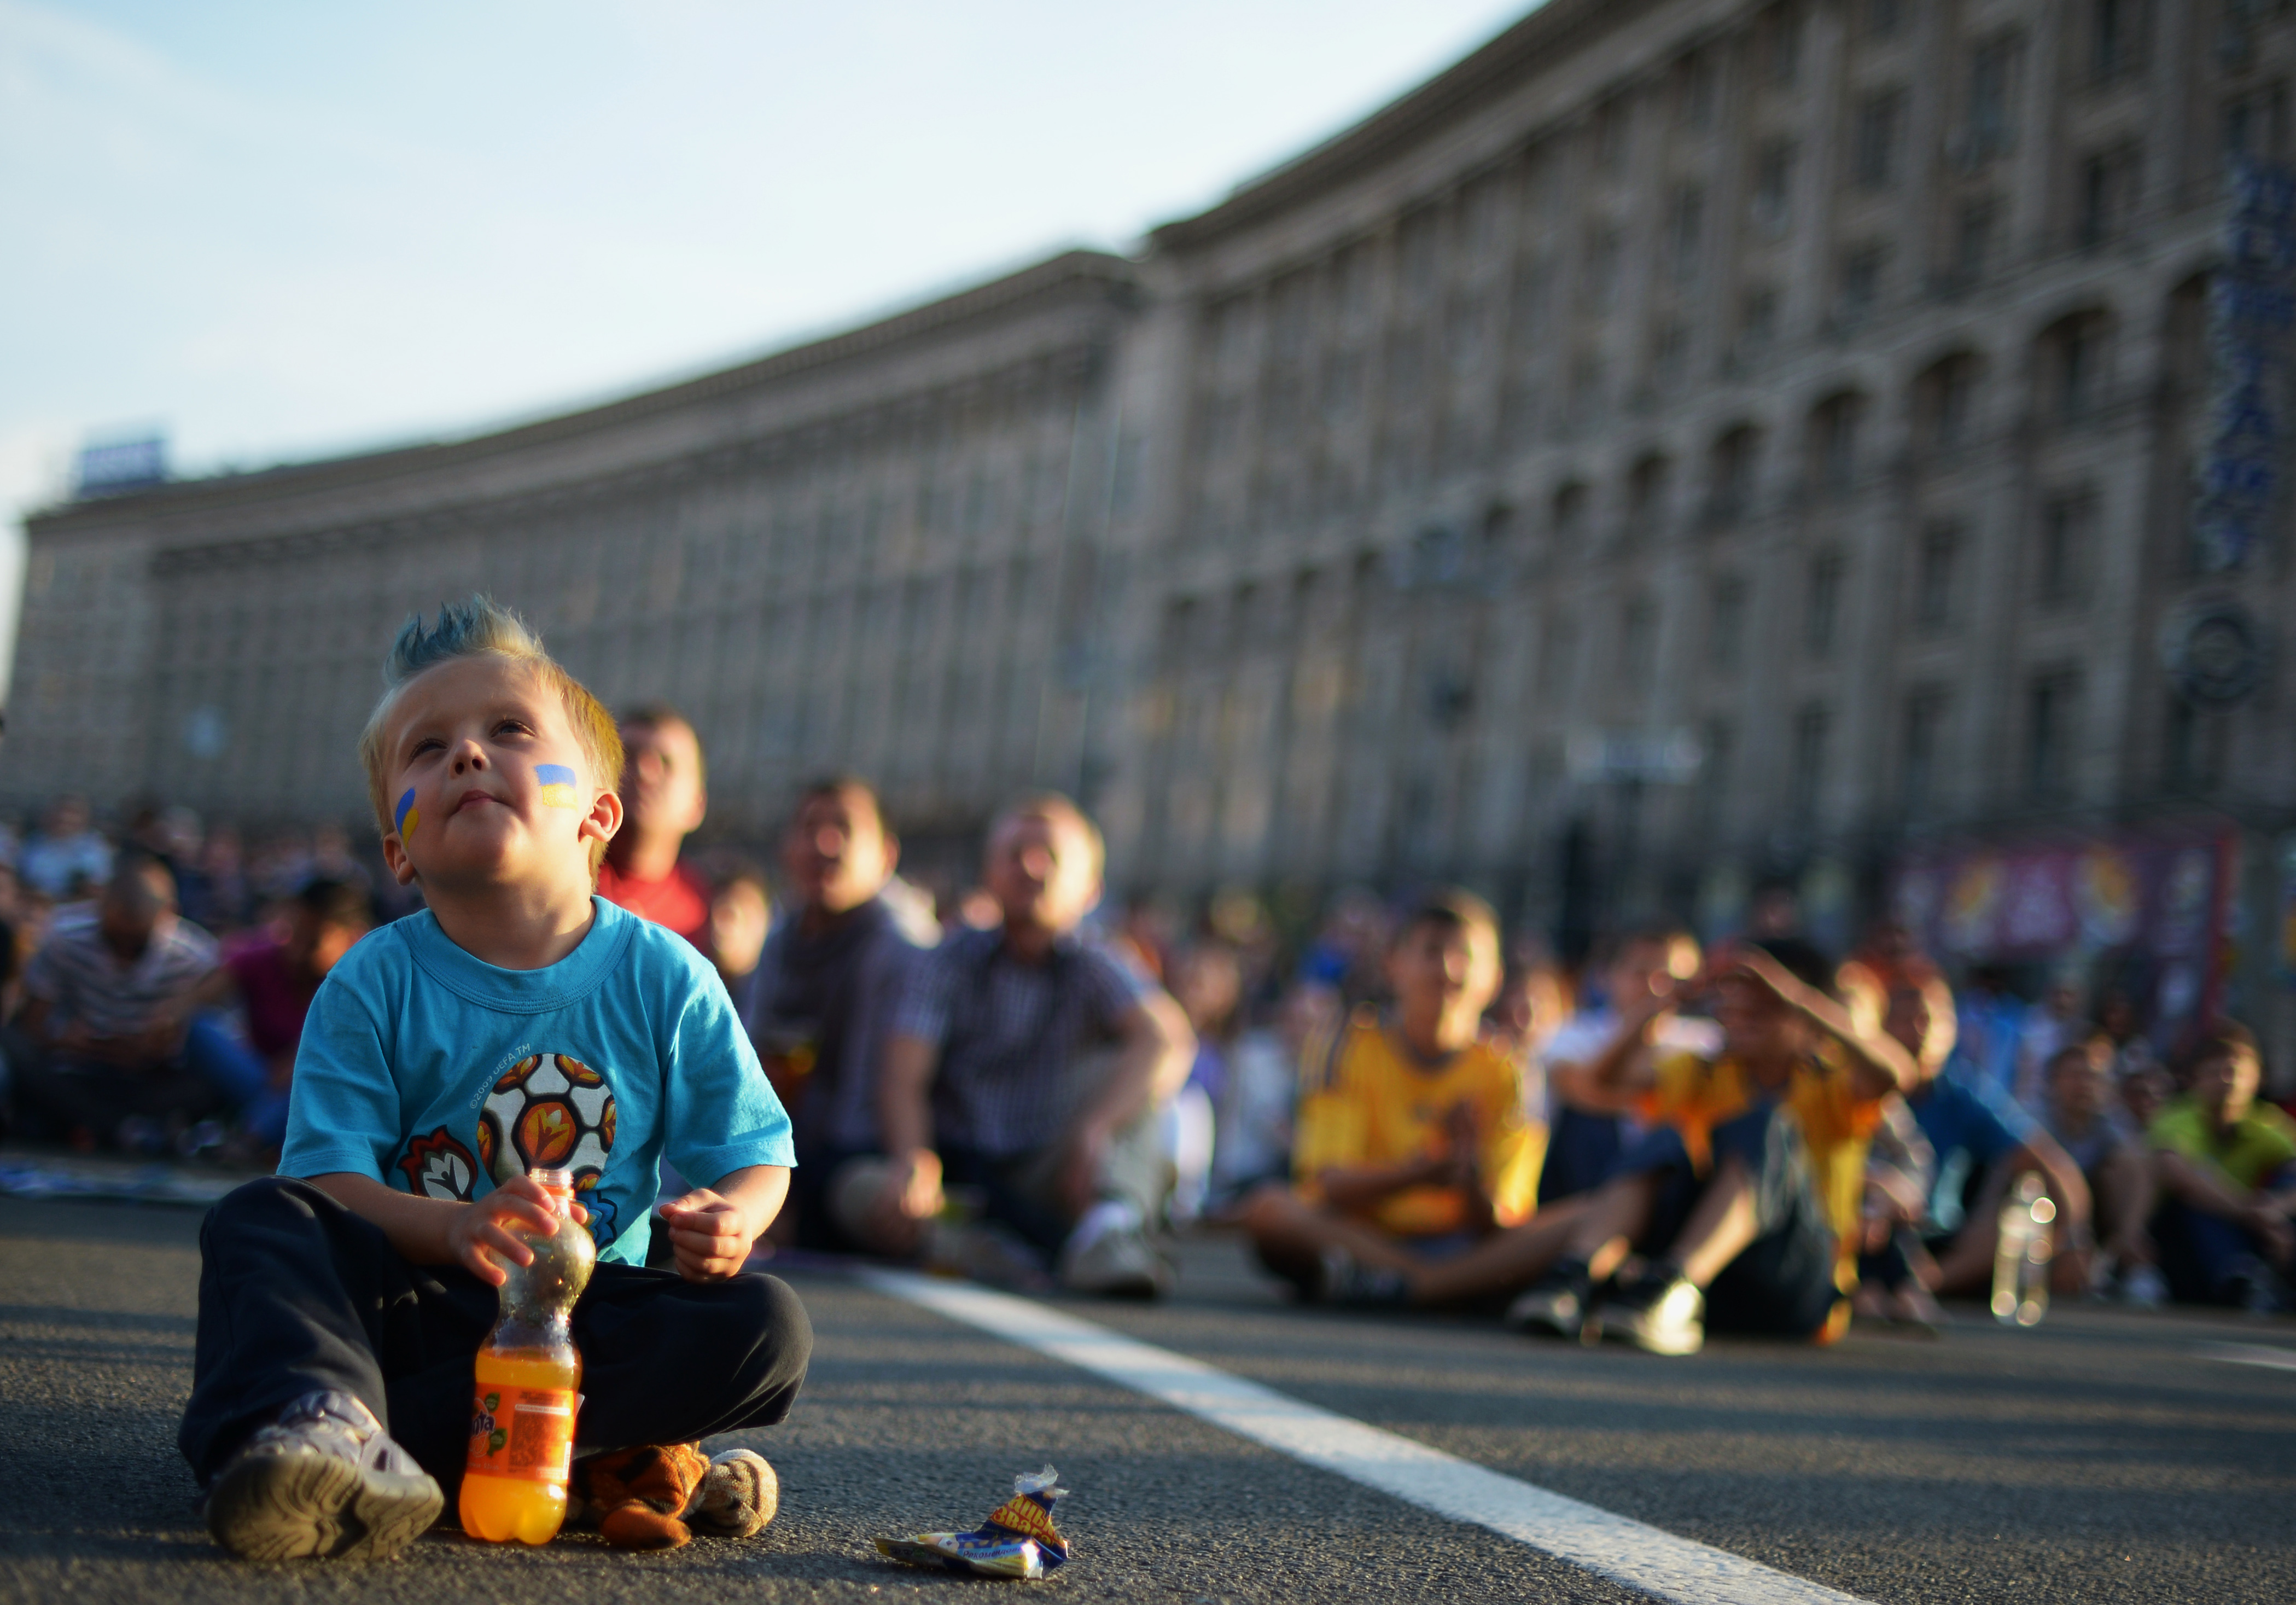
[[1018, 1540]]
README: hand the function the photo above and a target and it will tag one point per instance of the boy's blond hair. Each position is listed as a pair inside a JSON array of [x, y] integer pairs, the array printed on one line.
[[483, 627]]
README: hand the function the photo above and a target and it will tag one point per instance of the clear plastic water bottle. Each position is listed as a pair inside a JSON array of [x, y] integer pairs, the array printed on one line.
[[2021, 1259]]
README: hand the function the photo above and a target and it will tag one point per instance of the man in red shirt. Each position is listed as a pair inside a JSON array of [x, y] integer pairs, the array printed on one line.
[[664, 796]]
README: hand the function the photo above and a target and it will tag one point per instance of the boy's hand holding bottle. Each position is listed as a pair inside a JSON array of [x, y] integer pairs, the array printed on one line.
[[486, 1232]]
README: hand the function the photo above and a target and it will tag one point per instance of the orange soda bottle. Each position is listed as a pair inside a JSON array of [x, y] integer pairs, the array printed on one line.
[[528, 1376]]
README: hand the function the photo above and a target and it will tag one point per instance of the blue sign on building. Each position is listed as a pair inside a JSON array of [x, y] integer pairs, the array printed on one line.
[[2251, 308]]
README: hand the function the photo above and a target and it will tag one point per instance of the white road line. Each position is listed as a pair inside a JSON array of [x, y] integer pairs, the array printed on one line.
[[1627, 1551], [2249, 1354]]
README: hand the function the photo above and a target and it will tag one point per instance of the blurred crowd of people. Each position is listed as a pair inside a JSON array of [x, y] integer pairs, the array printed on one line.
[[1396, 1105]]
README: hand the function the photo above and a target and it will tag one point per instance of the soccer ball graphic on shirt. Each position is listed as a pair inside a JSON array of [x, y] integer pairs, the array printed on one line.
[[550, 1109]]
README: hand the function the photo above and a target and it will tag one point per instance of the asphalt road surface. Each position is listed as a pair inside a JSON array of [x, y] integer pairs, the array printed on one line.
[[2104, 1456]]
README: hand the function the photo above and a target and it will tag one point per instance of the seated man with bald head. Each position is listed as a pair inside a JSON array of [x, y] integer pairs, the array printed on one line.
[[1025, 1066], [113, 1002]]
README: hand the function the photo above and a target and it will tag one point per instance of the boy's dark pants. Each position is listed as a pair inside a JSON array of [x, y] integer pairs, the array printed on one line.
[[1781, 1284], [297, 1292]]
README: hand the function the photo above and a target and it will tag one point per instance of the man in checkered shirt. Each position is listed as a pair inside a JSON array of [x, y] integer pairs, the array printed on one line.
[[1027, 1065]]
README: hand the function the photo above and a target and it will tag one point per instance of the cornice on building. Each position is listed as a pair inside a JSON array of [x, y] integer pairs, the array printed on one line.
[[1070, 279], [1545, 38]]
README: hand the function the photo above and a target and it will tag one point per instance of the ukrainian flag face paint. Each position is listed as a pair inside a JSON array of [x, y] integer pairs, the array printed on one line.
[[405, 818], [557, 786]]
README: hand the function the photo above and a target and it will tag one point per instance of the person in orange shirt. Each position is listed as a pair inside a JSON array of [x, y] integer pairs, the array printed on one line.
[[665, 793], [1416, 1155], [1741, 1200]]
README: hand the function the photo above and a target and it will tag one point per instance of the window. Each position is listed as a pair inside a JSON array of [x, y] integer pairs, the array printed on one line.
[[1638, 644], [2196, 747], [1646, 499], [2051, 729], [1974, 239], [1925, 719], [1570, 518], [2067, 542], [1757, 319], [1603, 268], [2256, 125], [1834, 444], [2110, 183], [1555, 656], [1806, 779], [1956, 393], [1732, 488], [1879, 120], [1862, 271], [1935, 574], [1698, 94], [1782, 58], [1992, 130], [1669, 355], [2072, 357], [1610, 135], [1821, 612], [1684, 231], [1726, 627], [1773, 192], [2118, 36]]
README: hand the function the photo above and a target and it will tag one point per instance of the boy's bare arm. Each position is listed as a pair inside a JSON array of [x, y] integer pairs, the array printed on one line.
[[1879, 1064], [711, 1228], [437, 1232], [1615, 1079], [1158, 1047]]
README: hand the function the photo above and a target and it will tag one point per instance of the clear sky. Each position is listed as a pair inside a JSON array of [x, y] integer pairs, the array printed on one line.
[[287, 229]]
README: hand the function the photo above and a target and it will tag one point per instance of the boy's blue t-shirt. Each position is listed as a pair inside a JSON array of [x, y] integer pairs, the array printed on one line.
[[435, 1073]]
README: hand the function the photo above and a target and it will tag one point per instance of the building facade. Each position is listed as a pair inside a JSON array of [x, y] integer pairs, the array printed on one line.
[[1686, 444]]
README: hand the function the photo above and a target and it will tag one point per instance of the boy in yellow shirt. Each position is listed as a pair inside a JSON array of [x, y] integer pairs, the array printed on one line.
[[1416, 1158], [1742, 1200]]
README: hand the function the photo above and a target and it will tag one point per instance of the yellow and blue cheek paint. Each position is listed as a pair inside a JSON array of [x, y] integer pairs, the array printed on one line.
[[557, 786], [406, 817]]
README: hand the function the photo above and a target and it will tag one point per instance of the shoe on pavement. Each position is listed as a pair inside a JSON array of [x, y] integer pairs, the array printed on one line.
[[1556, 1303], [1342, 1279], [322, 1481], [1661, 1313], [1118, 1264], [2144, 1287]]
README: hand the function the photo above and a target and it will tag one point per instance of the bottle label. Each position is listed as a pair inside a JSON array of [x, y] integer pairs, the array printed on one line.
[[522, 1432]]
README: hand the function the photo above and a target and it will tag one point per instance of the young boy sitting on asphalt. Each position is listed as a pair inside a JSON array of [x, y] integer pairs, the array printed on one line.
[[1417, 1164], [1741, 1198], [518, 1021]]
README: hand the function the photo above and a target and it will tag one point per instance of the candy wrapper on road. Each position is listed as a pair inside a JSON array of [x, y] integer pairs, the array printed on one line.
[[1018, 1540]]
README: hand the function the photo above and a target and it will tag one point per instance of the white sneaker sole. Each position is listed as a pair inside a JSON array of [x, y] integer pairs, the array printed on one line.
[[298, 1507]]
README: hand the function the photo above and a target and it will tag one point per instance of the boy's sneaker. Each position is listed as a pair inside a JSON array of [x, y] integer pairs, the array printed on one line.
[[1121, 1264], [1555, 1303], [1660, 1314], [323, 1480], [1343, 1278], [2144, 1287]]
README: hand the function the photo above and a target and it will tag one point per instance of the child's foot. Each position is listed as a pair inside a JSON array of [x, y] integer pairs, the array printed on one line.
[[1659, 1312], [739, 1495], [323, 1480], [1556, 1303]]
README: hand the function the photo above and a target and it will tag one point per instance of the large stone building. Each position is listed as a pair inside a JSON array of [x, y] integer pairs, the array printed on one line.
[[1687, 443]]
